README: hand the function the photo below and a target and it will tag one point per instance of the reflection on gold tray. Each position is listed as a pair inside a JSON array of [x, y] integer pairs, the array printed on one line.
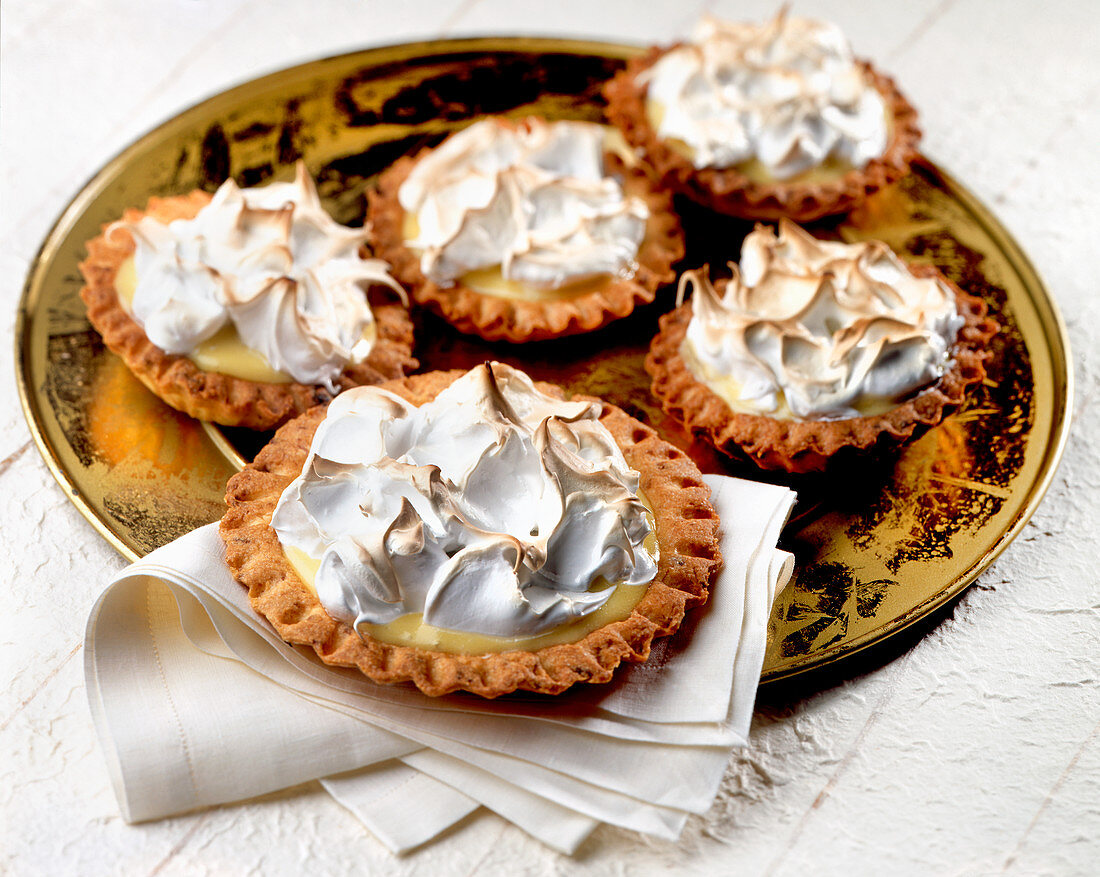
[[878, 546]]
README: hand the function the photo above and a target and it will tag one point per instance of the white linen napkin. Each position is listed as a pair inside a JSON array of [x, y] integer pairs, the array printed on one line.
[[197, 702]]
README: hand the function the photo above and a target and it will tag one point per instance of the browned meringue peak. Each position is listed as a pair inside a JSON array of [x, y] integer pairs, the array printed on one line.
[[787, 94], [815, 329], [534, 199], [271, 262], [491, 509]]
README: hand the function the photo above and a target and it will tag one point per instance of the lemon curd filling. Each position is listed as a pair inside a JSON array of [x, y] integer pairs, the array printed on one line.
[[410, 629], [491, 281], [729, 390], [222, 353]]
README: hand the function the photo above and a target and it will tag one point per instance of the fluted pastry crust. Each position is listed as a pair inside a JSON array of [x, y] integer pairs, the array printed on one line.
[[727, 190], [224, 399], [495, 318], [801, 446], [687, 535]]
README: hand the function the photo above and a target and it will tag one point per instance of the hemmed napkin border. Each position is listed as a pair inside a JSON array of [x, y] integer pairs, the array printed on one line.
[[378, 737]]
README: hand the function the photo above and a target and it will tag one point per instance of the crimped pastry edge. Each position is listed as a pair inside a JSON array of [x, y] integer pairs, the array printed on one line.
[[687, 532], [495, 318], [224, 399], [801, 447], [726, 190]]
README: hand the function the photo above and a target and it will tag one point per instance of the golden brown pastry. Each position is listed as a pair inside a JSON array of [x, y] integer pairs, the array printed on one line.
[[769, 121], [813, 348], [526, 231], [248, 307], [472, 531]]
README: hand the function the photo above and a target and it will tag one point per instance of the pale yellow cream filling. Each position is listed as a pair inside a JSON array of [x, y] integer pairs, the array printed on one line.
[[410, 630], [753, 169], [224, 352], [729, 390], [491, 281]]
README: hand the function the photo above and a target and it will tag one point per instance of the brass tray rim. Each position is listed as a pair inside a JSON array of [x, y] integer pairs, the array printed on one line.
[[31, 291], [1054, 327], [1050, 318]]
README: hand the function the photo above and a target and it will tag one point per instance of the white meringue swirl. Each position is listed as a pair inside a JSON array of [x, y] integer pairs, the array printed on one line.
[[534, 199], [271, 262], [492, 509], [787, 93], [833, 330]]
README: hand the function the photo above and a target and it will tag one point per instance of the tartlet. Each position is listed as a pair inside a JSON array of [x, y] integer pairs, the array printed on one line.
[[517, 320], [686, 528], [732, 190], [803, 444], [211, 395]]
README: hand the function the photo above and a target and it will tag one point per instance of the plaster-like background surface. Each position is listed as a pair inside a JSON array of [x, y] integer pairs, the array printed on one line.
[[976, 751]]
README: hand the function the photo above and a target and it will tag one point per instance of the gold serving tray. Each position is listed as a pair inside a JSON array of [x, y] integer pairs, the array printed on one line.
[[878, 545]]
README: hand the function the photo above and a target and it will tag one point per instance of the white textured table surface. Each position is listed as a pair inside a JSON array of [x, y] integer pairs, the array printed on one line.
[[977, 751]]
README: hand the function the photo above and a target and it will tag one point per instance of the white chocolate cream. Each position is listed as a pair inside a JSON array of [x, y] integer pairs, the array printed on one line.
[[786, 96], [532, 200], [266, 269], [493, 510], [809, 329]]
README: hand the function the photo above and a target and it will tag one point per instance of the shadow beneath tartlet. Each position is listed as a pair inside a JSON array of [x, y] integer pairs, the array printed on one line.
[[245, 443], [715, 239]]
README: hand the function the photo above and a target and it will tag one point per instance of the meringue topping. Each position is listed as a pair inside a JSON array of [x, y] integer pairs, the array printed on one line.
[[811, 329], [533, 199], [494, 509], [783, 97], [267, 267]]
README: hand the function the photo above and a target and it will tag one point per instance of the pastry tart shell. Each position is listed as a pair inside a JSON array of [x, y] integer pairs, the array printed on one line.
[[221, 398], [804, 446], [727, 190], [496, 318], [687, 534]]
